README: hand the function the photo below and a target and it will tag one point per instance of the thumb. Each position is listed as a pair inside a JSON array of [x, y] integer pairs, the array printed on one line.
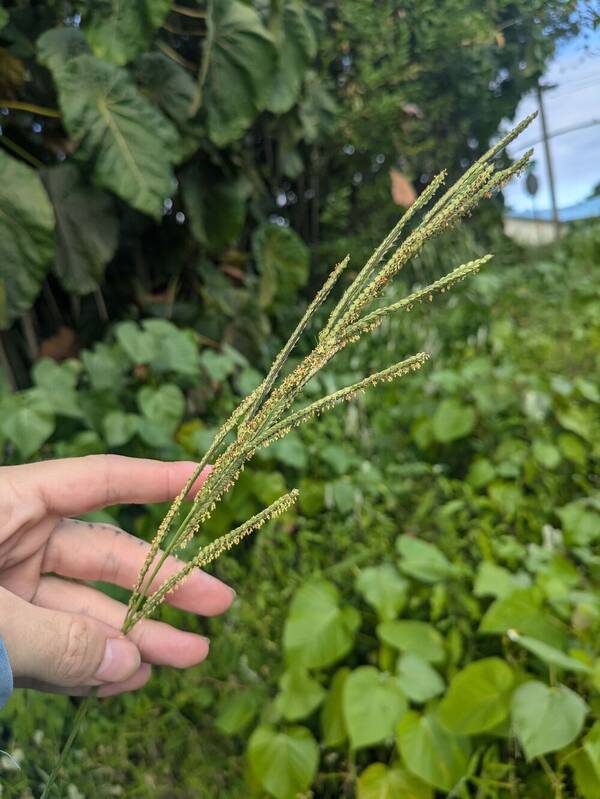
[[63, 649]]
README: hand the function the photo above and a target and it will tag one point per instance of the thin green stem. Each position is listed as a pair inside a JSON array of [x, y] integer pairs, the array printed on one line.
[[82, 711]]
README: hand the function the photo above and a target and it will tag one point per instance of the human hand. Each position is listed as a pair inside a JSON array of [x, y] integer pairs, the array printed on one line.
[[64, 636]]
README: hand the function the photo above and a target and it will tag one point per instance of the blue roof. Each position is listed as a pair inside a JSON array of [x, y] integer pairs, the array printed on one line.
[[588, 209]]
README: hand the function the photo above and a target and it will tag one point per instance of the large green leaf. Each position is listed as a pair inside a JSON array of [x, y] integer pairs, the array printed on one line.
[[419, 681], [521, 611], [413, 636], [283, 261], [478, 697], [422, 560], [297, 47], [546, 718], [379, 781], [130, 143], [299, 694], [26, 237], [215, 204], [431, 752], [167, 84], [333, 724], [284, 763], [242, 60], [373, 705], [118, 31], [317, 630], [384, 589], [87, 229]]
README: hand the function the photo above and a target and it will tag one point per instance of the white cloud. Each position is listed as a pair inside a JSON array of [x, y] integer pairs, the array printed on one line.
[[574, 100]]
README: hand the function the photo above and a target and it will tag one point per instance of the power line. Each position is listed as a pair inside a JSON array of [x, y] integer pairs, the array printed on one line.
[[589, 124]]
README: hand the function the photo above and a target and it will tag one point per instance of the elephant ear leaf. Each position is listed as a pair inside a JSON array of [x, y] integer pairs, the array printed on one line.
[[118, 31], [87, 229], [240, 61], [296, 48], [130, 143], [26, 237]]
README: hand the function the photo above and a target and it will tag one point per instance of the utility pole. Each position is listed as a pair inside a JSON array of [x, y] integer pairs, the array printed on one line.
[[555, 221]]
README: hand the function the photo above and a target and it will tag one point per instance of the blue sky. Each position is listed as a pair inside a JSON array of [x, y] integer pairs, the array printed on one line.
[[575, 100]]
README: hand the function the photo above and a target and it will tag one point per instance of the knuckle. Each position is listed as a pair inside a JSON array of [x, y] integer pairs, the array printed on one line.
[[74, 660]]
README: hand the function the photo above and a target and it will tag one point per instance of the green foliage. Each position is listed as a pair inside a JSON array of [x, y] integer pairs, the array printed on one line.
[[517, 589], [373, 704], [26, 227]]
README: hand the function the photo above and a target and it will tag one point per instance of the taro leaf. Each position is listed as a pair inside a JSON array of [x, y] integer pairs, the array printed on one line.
[[549, 654], [241, 64], [284, 763], [87, 229], [520, 610], [26, 237], [237, 710], [379, 781], [300, 694], [283, 262], [580, 522], [413, 636], [333, 725], [118, 31], [215, 204], [129, 142], [317, 630], [422, 560], [478, 697], [166, 84], [296, 47], [437, 756], [452, 420], [546, 719], [384, 589], [419, 681], [373, 706]]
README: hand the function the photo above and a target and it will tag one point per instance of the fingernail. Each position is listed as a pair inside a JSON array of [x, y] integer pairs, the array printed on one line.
[[121, 660]]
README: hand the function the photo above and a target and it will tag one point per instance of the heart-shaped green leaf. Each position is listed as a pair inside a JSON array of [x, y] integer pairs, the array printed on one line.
[[546, 718], [284, 763], [373, 705]]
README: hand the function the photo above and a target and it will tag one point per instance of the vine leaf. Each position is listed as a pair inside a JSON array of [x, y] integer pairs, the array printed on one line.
[[118, 31], [26, 237], [284, 763], [130, 144], [87, 229], [242, 60]]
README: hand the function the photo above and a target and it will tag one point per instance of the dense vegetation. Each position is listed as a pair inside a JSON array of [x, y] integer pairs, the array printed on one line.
[[443, 562], [443, 558], [191, 143]]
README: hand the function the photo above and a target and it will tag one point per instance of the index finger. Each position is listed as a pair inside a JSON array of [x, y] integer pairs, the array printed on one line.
[[72, 486]]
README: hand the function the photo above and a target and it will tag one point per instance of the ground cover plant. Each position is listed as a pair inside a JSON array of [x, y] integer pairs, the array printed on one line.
[[501, 481]]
